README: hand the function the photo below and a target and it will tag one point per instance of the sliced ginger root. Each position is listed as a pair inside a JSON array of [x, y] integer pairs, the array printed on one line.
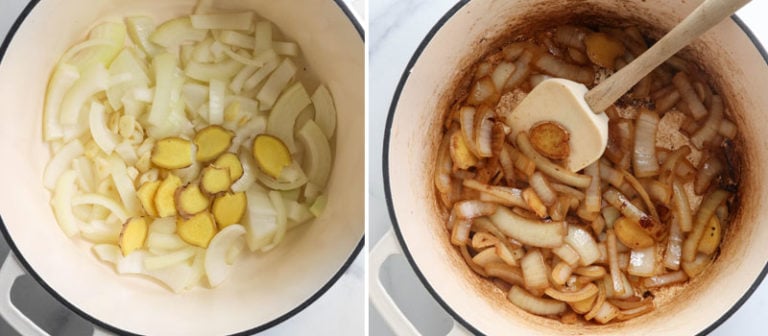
[[460, 153], [172, 153], [190, 200], [165, 202], [602, 49], [711, 238], [146, 194], [198, 230], [551, 140], [133, 235], [229, 208], [215, 180], [231, 162], [211, 142], [271, 154], [631, 234]]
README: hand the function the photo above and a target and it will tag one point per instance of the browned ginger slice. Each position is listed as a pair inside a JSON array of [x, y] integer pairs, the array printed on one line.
[[551, 140]]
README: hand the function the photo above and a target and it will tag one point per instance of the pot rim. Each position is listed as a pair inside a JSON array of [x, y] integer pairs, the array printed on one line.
[[388, 191], [28, 268]]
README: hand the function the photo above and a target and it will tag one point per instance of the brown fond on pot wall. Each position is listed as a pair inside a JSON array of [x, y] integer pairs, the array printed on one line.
[[726, 54]]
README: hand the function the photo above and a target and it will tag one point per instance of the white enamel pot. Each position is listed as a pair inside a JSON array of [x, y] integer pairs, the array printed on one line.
[[263, 289], [728, 52]]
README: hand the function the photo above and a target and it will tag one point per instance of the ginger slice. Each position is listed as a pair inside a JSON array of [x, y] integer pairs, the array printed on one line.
[[190, 200], [551, 140], [133, 235], [165, 202], [461, 155], [631, 234], [172, 153], [211, 142], [215, 180], [229, 208], [602, 49], [711, 238], [198, 230], [232, 162], [146, 194], [271, 154]]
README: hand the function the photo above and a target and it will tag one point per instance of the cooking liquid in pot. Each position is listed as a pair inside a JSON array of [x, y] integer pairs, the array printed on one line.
[[596, 244]]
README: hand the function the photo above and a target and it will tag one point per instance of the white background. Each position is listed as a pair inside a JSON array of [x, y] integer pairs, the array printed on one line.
[[397, 27]]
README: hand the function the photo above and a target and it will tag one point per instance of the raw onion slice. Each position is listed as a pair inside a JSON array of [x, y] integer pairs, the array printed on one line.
[[62, 203], [93, 79], [153, 262], [61, 161], [282, 118], [325, 112], [276, 83], [216, 266], [317, 153], [234, 21], [260, 220], [104, 138], [63, 78], [282, 219]]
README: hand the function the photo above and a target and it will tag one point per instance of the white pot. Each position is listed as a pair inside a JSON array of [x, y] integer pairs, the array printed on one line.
[[263, 289], [737, 65]]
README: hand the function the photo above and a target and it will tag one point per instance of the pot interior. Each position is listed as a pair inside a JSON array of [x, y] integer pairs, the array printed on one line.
[[262, 289], [737, 69]]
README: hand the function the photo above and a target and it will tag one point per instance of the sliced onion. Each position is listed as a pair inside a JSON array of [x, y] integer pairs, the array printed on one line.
[[460, 229], [260, 220], [532, 304], [727, 129], [561, 272], [613, 262], [558, 68], [124, 185], [629, 210], [216, 266], [606, 313], [204, 72], [61, 161], [611, 175], [263, 33], [164, 67], [632, 181], [665, 279], [261, 74], [104, 201], [153, 262], [107, 252], [164, 241], [62, 80], [99, 231], [467, 122], [506, 196], [325, 111], [233, 21], [706, 211], [276, 83], [642, 262], [93, 80], [592, 199], [540, 184], [547, 167], [283, 116], [566, 253], [483, 132], [318, 153], [711, 126], [710, 169], [583, 243], [644, 159], [472, 208], [62, 202], [104, 138], [534, 270], [282, 219], [486, 257], [526, 231], [584, 293], [236, 39], [683, 85]]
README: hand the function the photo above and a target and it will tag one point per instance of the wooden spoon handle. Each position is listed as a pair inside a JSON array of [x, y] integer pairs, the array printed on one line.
[[707, 15]]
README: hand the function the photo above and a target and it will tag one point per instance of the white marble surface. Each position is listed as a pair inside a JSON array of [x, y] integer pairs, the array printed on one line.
[[397, 27], [337, 312]]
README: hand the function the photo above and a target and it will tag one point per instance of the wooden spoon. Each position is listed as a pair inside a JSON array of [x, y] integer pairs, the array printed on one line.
[[580, 112]]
